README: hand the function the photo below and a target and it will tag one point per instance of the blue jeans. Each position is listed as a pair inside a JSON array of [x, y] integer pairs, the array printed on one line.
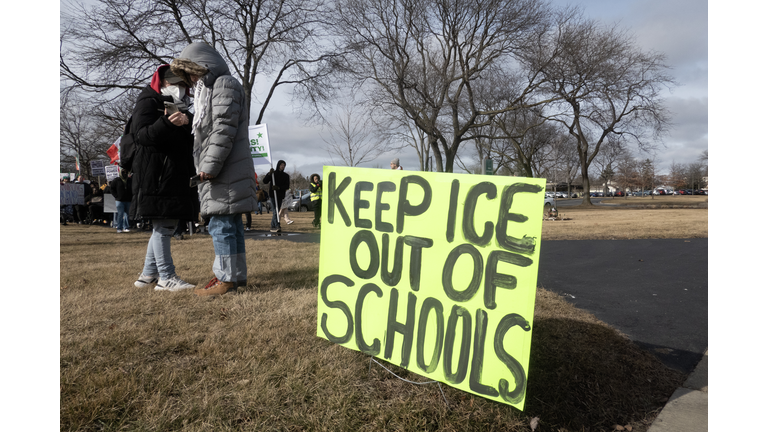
[[275, 218], [159, 260], [123, 207], [258, 204], [229, 247]]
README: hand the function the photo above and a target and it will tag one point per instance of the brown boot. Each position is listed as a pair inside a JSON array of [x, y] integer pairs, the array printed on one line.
[[215, 287]]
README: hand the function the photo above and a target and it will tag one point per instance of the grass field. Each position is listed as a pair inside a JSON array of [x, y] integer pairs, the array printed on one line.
[[139, 360], [632, 218]]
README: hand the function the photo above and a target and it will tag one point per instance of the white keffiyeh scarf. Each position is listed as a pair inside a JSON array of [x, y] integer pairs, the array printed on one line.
[[200, 105]]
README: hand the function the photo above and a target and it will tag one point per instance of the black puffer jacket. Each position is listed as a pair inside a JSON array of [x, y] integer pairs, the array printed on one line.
[[163, 163]]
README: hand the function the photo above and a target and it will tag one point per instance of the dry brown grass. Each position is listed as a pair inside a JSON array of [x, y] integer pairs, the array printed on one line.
[[600, 223], [136, 359], [660, 201]]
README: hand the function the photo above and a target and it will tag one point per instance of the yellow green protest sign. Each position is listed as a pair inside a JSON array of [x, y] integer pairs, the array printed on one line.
[[433, 272]]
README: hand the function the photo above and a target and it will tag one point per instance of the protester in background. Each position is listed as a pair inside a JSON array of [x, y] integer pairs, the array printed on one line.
[[259, 194], [66, 211], [316, 196], [120, 187], [262, 197], [277, 189], [395, 164], [223, 161], [161, 168], [81, 210], [95, 204]]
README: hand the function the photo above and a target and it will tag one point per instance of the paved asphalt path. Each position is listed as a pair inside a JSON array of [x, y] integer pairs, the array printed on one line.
[[654, 290]]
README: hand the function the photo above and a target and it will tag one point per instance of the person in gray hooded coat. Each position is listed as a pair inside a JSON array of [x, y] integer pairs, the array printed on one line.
[[222, 159]]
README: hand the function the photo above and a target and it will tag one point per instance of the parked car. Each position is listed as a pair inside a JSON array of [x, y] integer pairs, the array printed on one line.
[[302, 203], [561, 194], [619, 194], [549, 194]]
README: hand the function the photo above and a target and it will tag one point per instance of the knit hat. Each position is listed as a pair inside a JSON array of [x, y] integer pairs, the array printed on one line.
[[396, 161]]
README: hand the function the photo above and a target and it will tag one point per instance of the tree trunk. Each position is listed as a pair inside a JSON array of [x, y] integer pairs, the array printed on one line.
[[438, 156]]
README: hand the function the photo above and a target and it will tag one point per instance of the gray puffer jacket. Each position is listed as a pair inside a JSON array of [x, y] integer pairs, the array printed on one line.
[[221, 147]]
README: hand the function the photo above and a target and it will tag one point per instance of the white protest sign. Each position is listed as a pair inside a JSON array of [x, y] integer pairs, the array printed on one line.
[[110, 206], [260, 152], [97, 168], [112, 172]]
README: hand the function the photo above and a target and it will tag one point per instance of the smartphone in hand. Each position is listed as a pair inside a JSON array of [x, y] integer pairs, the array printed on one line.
[[171, 108], [194, 181]]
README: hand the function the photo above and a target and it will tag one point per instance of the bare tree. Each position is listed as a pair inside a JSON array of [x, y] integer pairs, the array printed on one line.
[[603, 163], [563, 160], [704, 156], [704, 159], [431, 59], [694, 175], [677, 175], [298, 182], [648, 175], [82, 135], [608, 88], [395, 129], [352, 138], [628, 173], [524, 137], [116, 45]]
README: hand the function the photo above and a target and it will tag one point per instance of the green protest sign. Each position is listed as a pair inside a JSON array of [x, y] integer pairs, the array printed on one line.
[[433, 272]]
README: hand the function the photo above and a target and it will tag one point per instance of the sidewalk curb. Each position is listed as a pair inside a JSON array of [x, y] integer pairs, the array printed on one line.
[[688, 407]]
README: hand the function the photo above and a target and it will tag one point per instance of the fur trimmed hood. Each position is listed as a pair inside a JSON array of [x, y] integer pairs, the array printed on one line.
[[183, 68], [200, 59]]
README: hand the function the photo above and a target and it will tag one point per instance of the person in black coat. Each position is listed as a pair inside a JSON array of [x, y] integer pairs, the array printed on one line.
[[81, 210], [121, 189], [162, 167], [278, 187]]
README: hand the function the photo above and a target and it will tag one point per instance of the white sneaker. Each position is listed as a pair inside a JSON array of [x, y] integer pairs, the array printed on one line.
[[126, 230], [174, 283], [145, 280], [119, 231], [289, 221]]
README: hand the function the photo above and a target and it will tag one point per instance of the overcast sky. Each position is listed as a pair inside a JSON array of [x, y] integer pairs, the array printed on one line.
[[677, 28]]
